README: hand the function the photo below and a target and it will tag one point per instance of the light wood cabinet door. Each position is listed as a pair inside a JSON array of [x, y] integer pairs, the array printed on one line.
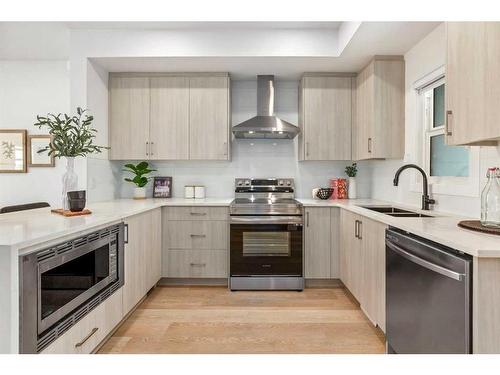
[[335, 243], [169, 128], [379, 121], [209, 118], [197, 234], [317, 242], [473, 83], [153, 249], [350, 252], [196, 263], [326, 117], [129, 118]]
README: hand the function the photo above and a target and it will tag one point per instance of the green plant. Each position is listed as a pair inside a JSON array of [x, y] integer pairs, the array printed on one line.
[[140, 171], [71, 135], [351, 170]]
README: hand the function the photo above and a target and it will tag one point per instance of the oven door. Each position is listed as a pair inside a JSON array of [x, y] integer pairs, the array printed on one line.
[[68, 280], [266, 246]]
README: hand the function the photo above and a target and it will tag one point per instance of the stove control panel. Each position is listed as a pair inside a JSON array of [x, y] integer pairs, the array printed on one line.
[[264, 183]]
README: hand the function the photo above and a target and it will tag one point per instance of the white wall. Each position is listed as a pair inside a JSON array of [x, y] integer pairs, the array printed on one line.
[[423, 58], [28, 88], [252, 158]]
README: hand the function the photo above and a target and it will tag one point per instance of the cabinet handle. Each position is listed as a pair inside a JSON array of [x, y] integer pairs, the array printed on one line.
[[94, 330], [356, 228], [147, 148], [197, 264], [198, 235], [307, 148], [225, 148], [360, 230], [307, 219], [151, 148], [198, 213], [125, 233], [448, 127], [369, 145]]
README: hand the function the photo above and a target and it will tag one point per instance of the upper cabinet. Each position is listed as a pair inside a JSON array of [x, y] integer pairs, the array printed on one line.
[[473, 83], [325, 117], [169, 117], [209, 112], [378, 128]]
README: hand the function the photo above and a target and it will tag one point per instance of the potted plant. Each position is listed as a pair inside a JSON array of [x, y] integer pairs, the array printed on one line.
[[72, 136], [140, 180], [351, 171]]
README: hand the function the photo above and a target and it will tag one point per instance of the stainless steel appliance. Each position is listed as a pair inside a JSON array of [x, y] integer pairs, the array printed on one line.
[[266, 236], [265, 125], [59, 285], [428, 296]]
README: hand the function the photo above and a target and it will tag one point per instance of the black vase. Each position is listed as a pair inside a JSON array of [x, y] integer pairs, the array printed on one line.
[[77, 200]]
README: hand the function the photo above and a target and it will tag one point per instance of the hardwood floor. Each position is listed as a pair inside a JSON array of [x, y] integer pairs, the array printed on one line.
[[216, 320]]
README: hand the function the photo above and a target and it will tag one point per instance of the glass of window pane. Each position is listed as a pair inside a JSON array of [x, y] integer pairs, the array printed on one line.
[[438, 104], [448, 160]]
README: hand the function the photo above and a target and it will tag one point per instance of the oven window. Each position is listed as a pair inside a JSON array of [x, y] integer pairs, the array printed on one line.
[[266, 244], [62, 284]]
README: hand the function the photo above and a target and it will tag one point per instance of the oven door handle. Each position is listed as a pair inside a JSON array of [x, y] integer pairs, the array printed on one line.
[[297, 220], [425, 263]]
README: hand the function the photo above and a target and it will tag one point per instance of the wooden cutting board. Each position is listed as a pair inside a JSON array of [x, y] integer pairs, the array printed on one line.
[[68, 213]]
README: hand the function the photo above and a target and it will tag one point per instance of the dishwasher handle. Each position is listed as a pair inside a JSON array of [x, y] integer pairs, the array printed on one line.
[[425, 263]]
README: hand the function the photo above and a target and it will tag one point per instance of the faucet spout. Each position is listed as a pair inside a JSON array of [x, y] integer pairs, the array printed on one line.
[[426, 200]]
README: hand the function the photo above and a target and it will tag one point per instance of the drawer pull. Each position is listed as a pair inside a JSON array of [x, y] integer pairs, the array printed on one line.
[[198, 235], [197, 264], [94, 330], [198, 213]]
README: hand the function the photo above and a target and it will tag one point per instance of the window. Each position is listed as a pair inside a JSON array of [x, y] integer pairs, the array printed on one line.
[[440, 160]]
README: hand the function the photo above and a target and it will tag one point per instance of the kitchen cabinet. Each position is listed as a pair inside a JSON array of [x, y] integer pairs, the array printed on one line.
[[169, 125], [209, 113], [472, 83], [142, 257], [129, 118], [321, 255], [195, 242], [378, 131], [162, 116], [325, 117], [362, 263]]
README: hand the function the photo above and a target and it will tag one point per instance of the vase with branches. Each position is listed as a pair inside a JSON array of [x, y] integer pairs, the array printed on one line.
[[72, 136]]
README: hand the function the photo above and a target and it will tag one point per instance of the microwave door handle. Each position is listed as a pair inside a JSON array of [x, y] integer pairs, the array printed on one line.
[[424, 263]]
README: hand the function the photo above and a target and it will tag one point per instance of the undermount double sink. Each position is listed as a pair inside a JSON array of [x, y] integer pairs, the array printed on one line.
[[396, 212]]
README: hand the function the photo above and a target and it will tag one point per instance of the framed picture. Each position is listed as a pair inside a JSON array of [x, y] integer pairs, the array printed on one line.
[[162, 187], [37, 158], [13, 151]]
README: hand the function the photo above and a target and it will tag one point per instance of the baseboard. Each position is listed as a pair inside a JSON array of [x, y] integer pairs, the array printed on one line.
[[324, 283], [171, 281]]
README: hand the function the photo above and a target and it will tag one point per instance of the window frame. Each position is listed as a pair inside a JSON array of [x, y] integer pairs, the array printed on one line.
[[444, 185]]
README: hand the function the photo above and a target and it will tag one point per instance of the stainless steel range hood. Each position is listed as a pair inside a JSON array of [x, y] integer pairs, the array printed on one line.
[[265, 125]]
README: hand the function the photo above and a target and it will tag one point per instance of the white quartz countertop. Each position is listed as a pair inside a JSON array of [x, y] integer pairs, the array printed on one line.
[[27, 228]]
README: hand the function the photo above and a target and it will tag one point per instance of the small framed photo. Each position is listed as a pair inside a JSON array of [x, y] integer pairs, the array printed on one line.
[[37, 157], [13, 151], [162, 187]]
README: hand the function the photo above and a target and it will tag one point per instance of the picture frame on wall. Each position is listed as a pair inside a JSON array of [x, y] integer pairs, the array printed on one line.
[[13, 151], [37, 158], [162, 187]]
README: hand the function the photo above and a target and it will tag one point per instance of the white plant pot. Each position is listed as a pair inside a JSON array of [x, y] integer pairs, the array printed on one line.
[[352, 188], [140, 193]]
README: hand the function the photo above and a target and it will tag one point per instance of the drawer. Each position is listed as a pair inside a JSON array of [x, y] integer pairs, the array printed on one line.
[[196, 263], [196, 234], [94, 327], [196, 213]]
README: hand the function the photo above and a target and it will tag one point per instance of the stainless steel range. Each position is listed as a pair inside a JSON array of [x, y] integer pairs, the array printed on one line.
[[266, 236]]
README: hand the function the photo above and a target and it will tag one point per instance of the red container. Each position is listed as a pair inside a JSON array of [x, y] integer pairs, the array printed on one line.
[[339, 186]]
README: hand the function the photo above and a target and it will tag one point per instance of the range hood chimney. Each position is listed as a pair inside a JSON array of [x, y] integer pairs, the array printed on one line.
[[265, 125]]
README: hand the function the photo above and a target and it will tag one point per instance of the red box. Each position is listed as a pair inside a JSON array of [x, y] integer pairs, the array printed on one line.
[[339, 186]]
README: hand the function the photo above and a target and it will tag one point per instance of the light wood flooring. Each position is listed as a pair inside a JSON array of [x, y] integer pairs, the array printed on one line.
[[216, 320]]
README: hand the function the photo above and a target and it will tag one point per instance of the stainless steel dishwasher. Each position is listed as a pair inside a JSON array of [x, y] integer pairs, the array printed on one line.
[[428, 296]]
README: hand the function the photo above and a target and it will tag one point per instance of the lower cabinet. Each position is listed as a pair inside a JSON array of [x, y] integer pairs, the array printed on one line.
[[85, 335], [362, 263], [142, 256], [321, 255], [195, 242]]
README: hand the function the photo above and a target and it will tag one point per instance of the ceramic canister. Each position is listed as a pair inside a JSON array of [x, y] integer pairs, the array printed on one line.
[[188, 191], [199, 192]]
